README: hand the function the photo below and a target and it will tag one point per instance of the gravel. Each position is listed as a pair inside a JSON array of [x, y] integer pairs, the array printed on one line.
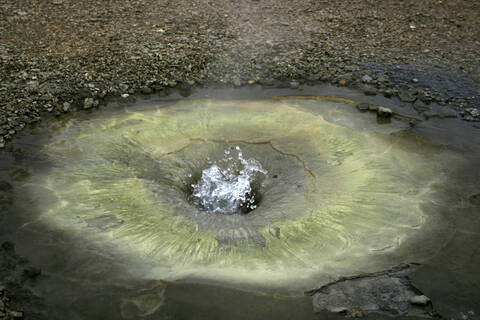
[[61, 55]]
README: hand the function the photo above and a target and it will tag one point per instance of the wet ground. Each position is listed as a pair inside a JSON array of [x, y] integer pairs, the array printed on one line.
[[80, 271]]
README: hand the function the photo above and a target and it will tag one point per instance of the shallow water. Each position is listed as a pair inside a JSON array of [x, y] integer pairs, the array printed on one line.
[[103, 201]]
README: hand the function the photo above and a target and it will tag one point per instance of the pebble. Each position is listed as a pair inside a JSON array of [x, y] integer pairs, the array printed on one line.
[[88, 103], [447, 113], [125, 95], [363, 106], [420, 107], [405, 96], [367, 79], [420, 300], [66, 107], [294, 84], [384, 112]]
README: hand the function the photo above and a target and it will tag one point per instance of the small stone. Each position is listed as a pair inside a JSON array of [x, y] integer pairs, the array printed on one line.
[[66, 107], [405, 96], [5, 186], [370, 92], [387, 93], [415, 80], [384, 112], [342, 82], [237, 82], [366, 79], [468, 118], [447, 113], [372, 107], [420, 107], [251, 81], [473, 112], [146, 90], [88, 103], [294, 84], [363, 106], [420, 300], [125, 95]]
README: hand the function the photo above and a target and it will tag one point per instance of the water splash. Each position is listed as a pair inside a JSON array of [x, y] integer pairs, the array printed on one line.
[[226, 186]]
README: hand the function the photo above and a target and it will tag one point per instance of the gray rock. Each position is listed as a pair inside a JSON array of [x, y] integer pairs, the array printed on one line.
[[146, 90], [386, 292], [363, 106], [420, 300], [2, 305], [366, 79], [384, 112], [420, 107], [447, 113], [405, 96], [430, 114], [88, 103], [66, 106], [237, 82], [294, 84], [370, 91]]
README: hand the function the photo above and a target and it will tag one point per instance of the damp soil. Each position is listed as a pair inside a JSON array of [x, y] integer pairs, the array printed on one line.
[[60, 55]]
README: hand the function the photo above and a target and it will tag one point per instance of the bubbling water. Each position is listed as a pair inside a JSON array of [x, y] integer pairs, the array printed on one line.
[[227, 186]]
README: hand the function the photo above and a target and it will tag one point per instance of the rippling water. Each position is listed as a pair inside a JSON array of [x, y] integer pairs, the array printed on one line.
[[151, 190]]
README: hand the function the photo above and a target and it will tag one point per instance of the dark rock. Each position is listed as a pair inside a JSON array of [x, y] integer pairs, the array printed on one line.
[[387, 93], [8, 247], [386, 292], [406, 96], [5, 186], [447, 113], [370, 91], [420, 107], [431, 114], [475, 199], [294, 84], [146, 90]]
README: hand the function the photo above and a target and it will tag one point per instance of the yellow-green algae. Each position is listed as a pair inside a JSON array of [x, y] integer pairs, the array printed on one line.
[[344, 194]]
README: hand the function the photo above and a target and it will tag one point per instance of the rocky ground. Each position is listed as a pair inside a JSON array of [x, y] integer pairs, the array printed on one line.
[[58, 55], [61, 55]]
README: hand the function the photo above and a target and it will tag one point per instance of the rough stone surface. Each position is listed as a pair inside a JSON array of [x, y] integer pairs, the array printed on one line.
[[387, 292]]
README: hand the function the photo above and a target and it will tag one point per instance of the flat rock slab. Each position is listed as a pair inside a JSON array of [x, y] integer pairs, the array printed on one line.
[[388, 292]]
